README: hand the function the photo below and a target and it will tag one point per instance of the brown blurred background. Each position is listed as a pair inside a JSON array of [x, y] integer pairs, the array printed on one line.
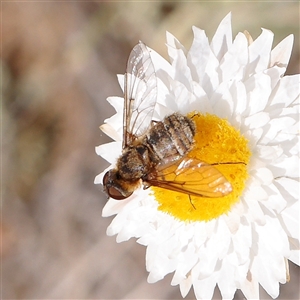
[[59, 63]]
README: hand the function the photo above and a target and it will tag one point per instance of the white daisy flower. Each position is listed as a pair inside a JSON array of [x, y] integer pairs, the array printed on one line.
[[246, 114]]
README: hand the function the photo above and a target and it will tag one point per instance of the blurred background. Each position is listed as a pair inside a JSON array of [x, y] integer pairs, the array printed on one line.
[[59, 63]]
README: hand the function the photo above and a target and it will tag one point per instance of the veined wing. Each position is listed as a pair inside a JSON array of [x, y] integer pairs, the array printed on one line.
[[191, 176], [140, 93]]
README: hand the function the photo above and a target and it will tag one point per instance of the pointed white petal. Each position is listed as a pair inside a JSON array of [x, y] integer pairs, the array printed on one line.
[[204, 288], [185, 286], [250, 287], [234, 61], [110, 151], [289, 188], [259, 52], [198, 54], [211, 78], [121, 81], [258, 89], [222, 39], [281, 54], [290, 219], [226, 281], [173, 46], [286, 92], [111, 132]]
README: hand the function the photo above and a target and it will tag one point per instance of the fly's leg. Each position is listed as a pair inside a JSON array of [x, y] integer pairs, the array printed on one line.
[[191, 201]]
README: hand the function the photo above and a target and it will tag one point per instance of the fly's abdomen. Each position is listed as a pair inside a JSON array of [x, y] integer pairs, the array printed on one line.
[[171, 138]]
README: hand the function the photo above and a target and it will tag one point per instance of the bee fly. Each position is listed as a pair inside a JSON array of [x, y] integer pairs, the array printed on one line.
[[154, 153]]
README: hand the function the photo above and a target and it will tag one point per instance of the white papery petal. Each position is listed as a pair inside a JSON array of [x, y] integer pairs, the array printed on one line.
[[178, 59], [290, 218], [259, 52], [211, 76], [198, 54], [258, 89], [286, 92], [204, 288], [173, 46], [121, 82], [234, 61], [185, 286], [111, 132], [222, 39], [281, 54], [239, 94], [226, 282], [110, 151], [295, 257]]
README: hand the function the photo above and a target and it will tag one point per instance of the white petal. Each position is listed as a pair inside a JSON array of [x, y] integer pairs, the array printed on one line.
[[204, 288], [275, 201], [113, 207], [259, 52], [226, 280], [203, 103], [258, 89], [239, 94], [183, 72], [99, 178], [161, 64], [290, 219], [289, 188], [250, 287], [289, 167], [242, 241], [116, 102], [268, 153], [263, 176], [281, 54], [211, 78], [187, 261], [257, 120], [173, 46], [261, 269], [275, 73], [295, 257], [110, 151], [254, 208], [121, 81], [233, 62], [274, 126], [286, 91], [111, 132], [232, 220], [185, 286], [198, 54], [222, 39], [222, 101], [269, 264]]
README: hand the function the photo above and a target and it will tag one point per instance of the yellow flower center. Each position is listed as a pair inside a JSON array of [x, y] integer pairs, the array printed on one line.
[[222, 146]]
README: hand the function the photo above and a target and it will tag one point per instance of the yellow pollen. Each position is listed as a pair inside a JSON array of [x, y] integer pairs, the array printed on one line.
[[222, 146]]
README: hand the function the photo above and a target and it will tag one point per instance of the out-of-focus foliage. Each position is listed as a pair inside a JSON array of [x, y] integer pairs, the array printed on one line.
[[59, 63]]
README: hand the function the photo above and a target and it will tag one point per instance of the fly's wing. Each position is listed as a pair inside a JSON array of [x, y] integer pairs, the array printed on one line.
[[140, 94], [191, 176]]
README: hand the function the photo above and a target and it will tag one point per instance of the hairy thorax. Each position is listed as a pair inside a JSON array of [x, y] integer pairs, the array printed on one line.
[[164, 143]]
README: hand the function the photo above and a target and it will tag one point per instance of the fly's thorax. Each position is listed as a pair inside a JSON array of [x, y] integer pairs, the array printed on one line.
[[135, 162], [171, 138]]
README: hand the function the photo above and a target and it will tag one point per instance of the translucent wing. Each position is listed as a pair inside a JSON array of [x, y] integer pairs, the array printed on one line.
[[191, 176], [140, 93]]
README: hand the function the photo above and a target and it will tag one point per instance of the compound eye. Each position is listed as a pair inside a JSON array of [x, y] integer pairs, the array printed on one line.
[[111, 187], [114, 193], [105, 179]]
